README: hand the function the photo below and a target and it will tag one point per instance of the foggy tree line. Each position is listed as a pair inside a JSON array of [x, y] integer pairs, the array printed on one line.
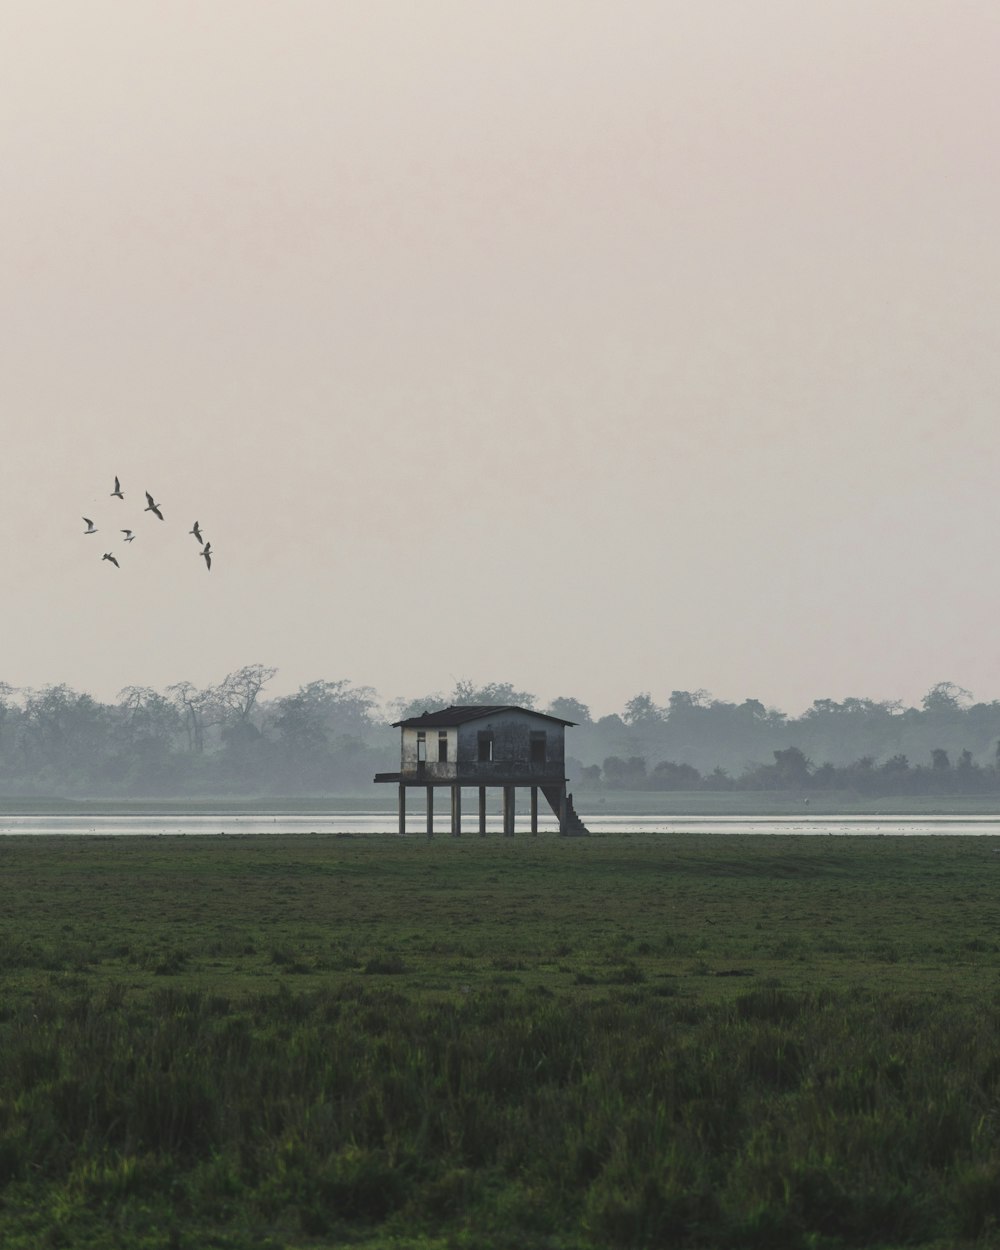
[[331, 736], [223, 739], [949, 744]]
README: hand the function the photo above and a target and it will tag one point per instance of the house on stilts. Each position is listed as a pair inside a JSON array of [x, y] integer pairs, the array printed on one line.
[[478, 747]]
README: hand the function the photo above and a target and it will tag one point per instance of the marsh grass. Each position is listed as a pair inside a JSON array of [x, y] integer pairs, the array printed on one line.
[[689, 1042]]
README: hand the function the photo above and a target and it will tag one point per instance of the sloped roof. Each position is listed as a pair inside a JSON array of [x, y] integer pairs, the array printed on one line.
[[449, 717]]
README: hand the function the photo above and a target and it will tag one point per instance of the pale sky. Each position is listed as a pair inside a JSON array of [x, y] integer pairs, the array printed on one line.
[[597, 347]]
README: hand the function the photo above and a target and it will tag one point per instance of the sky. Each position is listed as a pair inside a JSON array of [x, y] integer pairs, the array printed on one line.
[[596, 347]]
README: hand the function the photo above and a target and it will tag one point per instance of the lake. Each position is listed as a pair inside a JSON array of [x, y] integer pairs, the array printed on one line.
[[159, 823]]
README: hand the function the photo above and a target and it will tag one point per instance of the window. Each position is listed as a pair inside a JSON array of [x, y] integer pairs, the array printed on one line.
[[538, 748], [486, 748], [443, 747], [421, 747]]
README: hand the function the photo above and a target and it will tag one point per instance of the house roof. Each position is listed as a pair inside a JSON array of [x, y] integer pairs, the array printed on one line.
[[448, 717]]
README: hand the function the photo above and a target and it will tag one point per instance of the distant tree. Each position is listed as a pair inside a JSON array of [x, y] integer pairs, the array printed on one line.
[[320, 711], [240, 690], [590, 775], [682, 701], [7, 708], [614, 771], [146, 715], [820, 708], [792, 768], [64, 733], [497, 693], [200, 710], [641, 710], [939, 759], [860, 775], [624, 774], [403, 709], [300, 723], [718, 779], [570, 709], [826, 777], [945, 697], [670, 776]]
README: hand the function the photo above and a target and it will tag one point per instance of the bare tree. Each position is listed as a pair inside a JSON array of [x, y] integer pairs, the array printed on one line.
[[199, 709], [238, 692], [146, 714]]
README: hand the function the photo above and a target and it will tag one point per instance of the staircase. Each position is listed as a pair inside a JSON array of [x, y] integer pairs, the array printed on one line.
[[575, 828]]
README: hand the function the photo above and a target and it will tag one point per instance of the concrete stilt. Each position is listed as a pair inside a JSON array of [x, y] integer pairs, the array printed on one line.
[[456, 811], [534, 809], [508, 811], [402, 809], [482, 811], [430, 811], [563, 812]]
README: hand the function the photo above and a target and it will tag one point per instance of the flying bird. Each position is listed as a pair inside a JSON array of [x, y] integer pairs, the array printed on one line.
[[117, 492], [197, 532], [129, 536], [152, 507], [91, 527], [207, 555], [108, 556]]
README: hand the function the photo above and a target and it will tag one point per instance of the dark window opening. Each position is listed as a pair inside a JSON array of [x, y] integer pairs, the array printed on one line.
[[443, 747], [485, 748], [538, 748], [421, 748]]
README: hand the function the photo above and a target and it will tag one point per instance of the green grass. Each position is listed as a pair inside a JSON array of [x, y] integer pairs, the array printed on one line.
[[606, 1042]]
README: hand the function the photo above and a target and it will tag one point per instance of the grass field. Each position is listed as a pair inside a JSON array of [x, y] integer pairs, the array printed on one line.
[[629, 1041]]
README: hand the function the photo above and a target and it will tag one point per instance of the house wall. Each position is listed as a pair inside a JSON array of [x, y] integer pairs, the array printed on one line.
[[408, 750], [511, 751], [512, 742]]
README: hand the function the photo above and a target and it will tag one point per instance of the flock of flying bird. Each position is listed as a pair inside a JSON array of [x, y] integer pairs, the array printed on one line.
[[151, 506]]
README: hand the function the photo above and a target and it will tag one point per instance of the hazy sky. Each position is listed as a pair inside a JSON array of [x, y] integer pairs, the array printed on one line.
[[594, 346]]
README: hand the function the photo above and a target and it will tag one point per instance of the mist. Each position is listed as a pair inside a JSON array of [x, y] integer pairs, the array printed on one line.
[[234, 739], [603, 345]]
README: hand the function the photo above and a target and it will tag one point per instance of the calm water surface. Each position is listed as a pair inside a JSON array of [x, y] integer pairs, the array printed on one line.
[[385, 823]]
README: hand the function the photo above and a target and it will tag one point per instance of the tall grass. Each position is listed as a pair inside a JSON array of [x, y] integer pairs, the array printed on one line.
[[774, 1120], [619, 1042]]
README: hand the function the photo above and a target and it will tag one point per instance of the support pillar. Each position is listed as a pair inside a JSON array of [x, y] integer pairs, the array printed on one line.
[[456, 811], [430, 811], [508, 811], [534, 809], [402, 809], [482, 811], [563, 812]]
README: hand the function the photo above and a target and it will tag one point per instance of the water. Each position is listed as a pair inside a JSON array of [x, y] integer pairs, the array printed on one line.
[[214, 824]]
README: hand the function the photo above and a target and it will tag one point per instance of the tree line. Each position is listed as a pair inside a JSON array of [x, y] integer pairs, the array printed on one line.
[[331, 736]]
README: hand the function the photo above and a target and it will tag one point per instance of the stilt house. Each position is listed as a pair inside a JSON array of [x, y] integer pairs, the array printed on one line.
[[482, 746]]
